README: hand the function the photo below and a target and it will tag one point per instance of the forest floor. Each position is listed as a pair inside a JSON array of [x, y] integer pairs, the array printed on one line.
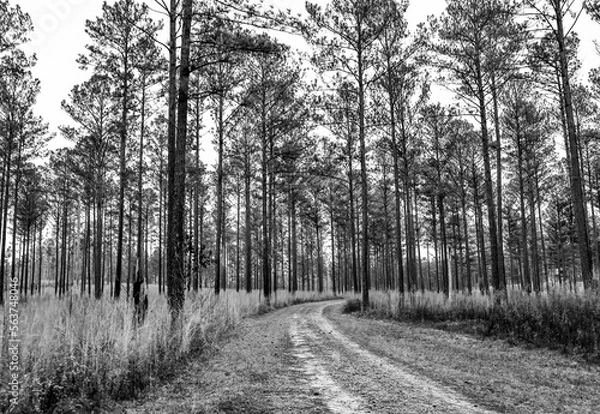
[[311, 358]]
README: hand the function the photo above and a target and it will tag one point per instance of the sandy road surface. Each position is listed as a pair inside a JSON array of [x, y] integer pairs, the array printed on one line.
[[312, 359]]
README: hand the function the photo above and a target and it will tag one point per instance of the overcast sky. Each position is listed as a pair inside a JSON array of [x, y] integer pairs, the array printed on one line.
[[59, 37]]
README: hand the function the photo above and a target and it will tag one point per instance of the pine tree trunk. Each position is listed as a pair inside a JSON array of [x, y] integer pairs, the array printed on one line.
[[237, 239], [39, 284], [542, 237], [247, 229], [56, 250], [398, 229], [534, 244], [364, 183], [129, 237], [160, 226], [573, 156], [334, 286], [294, 248], [444, 245], [219, 212], [289, 237], [489, 190], [197, 248], [319, 259], [176, 161], [15, 209], [33, 259], [98, 274], [411, 268], [4, 209], [435, 242], [138, 299], [501, 270], [466, 233], [524, 247], [63, 272], [266, 243], [122, 171], [353, 239]]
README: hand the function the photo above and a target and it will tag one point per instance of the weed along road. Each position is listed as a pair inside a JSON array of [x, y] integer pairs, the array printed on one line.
[[311, 358]]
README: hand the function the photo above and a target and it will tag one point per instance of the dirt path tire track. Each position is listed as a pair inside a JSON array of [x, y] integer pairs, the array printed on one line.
[[369, 383], [312, 359]]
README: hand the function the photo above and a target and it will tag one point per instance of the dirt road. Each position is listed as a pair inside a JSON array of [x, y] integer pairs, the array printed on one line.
[[312, 359]]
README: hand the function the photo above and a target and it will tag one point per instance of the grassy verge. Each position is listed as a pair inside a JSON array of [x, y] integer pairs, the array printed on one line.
[[556, 320], [78, 354]]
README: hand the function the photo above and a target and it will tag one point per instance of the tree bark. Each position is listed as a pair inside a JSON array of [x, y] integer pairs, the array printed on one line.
[[248, 227], [219, 213], [176, 167], [489, 190], [364, 183], [501, 270], [122, 169], [573, 155]]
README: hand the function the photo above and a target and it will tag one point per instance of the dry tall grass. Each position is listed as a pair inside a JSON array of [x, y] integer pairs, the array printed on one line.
[[79, 351], [557, 319]]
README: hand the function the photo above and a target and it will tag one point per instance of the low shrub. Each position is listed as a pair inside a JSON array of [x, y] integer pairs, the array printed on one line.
[[263, 308], [351, 305]]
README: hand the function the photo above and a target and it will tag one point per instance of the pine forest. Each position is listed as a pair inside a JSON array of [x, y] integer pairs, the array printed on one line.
[[330, 206]]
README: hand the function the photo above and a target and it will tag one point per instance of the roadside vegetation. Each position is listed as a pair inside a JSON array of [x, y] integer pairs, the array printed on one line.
[[80, 353], [557, 319]]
